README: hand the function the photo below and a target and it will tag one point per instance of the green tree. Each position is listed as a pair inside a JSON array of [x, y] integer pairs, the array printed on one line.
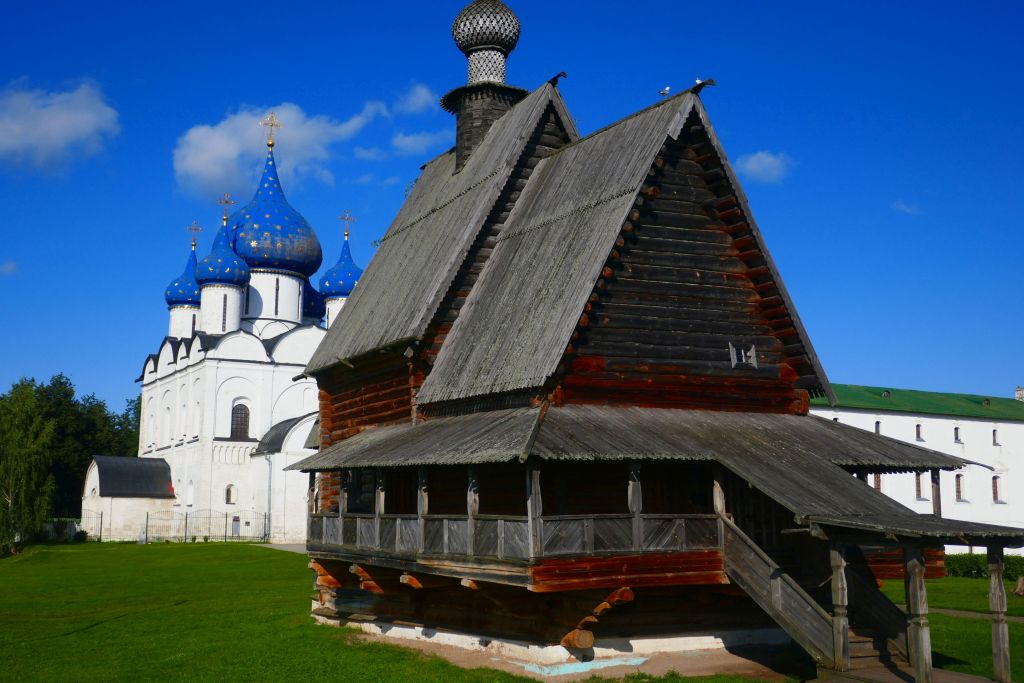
[[26, 483]]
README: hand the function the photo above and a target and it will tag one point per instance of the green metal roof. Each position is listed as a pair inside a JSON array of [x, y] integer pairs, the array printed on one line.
[[928, 402]]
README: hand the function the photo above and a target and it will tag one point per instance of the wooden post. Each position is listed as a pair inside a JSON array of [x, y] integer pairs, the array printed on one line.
[[378, 505], [919, 639], [534, 510], [840, 608], [422, 507], [472, 507], [718, 489], [344, 484], [635, 499], [936, 494], [997, 604]]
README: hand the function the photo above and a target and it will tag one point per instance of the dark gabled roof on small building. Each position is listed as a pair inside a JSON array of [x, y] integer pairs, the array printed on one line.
[[419, 255], [273, 440], [130, 477], [590, 432]]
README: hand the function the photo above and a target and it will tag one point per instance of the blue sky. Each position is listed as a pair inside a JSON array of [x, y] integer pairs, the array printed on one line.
[[880, 145]]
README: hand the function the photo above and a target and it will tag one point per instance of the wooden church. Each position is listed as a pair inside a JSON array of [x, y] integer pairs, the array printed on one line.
[[568, 401]]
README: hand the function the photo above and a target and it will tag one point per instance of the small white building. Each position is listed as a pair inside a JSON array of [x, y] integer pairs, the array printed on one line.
[[223, 405], [986, 430]]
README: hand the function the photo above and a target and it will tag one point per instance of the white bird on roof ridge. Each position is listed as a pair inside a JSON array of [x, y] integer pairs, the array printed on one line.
[[664, 91]]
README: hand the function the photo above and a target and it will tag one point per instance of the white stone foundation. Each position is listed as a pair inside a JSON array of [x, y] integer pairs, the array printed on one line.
[[555, 660]]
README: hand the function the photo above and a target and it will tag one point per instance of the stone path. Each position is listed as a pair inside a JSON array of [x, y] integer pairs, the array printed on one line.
[[966, 614], [288, 547]]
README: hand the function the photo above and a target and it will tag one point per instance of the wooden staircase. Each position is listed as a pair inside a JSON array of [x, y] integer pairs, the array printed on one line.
[[876, 640]]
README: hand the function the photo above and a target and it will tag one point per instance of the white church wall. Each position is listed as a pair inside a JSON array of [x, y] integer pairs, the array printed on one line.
[[220, 308], [184, 321], [968, 438], [273, 295]]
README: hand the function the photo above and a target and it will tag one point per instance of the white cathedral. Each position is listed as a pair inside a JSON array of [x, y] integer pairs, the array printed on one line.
[[224, 406]]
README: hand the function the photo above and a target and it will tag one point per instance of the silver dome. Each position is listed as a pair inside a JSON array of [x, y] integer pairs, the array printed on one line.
[[486, 24]]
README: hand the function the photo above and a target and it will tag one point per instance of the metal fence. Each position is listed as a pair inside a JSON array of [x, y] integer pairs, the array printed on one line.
[[178, 527]]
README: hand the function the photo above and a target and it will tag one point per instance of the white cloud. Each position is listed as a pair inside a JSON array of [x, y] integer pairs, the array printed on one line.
[[903, 207], [365, 179], [764, 166], [45, 129], [418, 98], [226, 156], [8, 267], [418, 143], [370, 153], [391, 180], [372, 179]]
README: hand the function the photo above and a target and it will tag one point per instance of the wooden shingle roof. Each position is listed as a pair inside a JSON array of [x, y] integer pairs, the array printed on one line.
[[402, 286]]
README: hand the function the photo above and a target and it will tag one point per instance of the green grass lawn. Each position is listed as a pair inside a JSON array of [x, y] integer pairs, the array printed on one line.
[[954, 592], [965, 645], [218, 612]]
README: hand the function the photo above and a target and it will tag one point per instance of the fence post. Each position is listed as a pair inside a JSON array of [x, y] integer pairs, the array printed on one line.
[[225, 527], [147, 528], [184, 537], [101, 526]]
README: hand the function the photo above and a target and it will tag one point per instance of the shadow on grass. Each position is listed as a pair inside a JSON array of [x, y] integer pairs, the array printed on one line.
[[66, 633]]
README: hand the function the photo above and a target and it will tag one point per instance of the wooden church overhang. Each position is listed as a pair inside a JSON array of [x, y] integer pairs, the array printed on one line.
[[419, 255], [604, 433], [557, 250]]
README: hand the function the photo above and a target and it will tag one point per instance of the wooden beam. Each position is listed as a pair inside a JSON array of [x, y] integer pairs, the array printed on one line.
[[410, 581], [718, 489], [360, 572], [997, 604], [936, 494], [534, 510], [470, 584], [635, 499], [919, 638], [840, 608], [578, 639], [422, 506], [472, 506]]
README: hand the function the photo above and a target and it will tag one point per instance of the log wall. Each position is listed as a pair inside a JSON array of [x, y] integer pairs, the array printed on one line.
[[506, 611], [685, 281]]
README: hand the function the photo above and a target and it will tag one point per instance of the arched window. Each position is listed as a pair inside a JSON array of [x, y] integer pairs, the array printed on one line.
[[193, 324], [959, 487], [230, 495], [996, 498], [878, 426], [190, 494], [917, 432], [277, 293], [956, 435], [878, 481], [995, 437], [240, 421], [835, 419]]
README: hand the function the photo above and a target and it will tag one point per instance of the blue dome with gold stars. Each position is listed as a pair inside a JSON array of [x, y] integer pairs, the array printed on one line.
[[341, 279], [222, 266], [184, 290], [269, 233], [313, 305]]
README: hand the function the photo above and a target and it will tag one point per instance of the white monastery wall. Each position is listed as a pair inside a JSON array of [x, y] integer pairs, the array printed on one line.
[[994, 444]]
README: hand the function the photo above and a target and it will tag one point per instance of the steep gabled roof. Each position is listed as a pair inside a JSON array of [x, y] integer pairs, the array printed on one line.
[[429, 239], [519, 319], [273, 440]]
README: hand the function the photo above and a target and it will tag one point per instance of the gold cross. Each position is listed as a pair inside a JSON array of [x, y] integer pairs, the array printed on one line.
[[347, 218], [195, 229], [270, 121], [226, 201]]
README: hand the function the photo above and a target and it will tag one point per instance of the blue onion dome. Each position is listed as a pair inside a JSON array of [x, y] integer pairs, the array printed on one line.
[[184, 290], [223, 266], [313, 305], [342, 278], [270, 234]]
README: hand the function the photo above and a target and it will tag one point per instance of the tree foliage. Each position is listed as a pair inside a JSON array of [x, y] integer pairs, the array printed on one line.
[[75, 429], [26, 482]]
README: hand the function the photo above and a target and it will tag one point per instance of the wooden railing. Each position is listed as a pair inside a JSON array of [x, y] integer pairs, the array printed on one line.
[[505, 537], [778, 594]]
